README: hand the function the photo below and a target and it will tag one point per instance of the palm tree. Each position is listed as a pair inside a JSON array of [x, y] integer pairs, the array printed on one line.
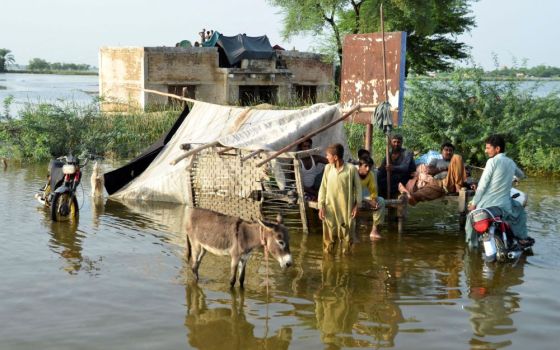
[[6, 58]]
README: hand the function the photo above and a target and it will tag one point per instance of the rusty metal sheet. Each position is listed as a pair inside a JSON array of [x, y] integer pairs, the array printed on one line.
[[362, 72]]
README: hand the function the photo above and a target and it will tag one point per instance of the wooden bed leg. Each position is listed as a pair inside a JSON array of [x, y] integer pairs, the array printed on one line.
[[462, 200], [401, 211], [301, 197], [462, 209]]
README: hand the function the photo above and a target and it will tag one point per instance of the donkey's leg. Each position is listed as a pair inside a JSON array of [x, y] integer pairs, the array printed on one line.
[[197, 255], [241, 268], [234, 264]]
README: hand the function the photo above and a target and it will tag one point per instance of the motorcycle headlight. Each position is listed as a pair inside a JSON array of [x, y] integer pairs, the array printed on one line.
[[69, 169]]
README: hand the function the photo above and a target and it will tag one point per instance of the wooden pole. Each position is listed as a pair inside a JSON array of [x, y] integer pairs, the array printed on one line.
[[193, 151], [367, 141], [304, 138], [387, 155], [368, 108], [186, 99], [301, 196], [387, 163], [227, 149], [384, 59], [250, 155]]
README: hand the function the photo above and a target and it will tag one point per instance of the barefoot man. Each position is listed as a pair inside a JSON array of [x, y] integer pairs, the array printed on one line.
[[340, 195], [369, 194]]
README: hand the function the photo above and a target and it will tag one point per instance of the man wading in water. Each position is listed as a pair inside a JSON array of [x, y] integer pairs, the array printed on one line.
[[339, 197]]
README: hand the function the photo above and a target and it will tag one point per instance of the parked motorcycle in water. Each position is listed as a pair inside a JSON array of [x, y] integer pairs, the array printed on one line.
[[59, 193], [498, 240]]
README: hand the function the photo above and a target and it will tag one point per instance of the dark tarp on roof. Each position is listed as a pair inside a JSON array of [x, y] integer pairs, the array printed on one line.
[[118, 178], [242, 46]]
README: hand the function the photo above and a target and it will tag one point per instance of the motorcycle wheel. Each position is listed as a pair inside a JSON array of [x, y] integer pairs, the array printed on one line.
[[501, 251], [64, 208]]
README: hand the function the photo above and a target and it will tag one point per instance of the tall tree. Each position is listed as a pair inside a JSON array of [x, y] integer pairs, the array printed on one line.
[[432, 26], [6, 58], [38, 64]]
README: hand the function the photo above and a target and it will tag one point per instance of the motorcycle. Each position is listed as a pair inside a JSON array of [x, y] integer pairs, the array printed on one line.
[[498, 241], [59, 193]]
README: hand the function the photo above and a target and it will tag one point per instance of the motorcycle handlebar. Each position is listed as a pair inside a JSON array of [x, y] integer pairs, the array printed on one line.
[[87, 157]]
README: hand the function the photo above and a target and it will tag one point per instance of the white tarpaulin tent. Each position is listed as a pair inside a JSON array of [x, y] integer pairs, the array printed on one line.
[[243, 128]]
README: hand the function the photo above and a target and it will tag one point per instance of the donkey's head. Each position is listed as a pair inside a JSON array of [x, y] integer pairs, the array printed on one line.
[[277, 241]]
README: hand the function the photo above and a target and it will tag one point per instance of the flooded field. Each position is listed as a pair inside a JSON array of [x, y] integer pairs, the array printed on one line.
[[117, 280], [46, 88]]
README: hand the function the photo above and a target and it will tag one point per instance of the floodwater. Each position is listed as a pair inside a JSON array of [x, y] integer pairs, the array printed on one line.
[[43, 88], [117, 280]]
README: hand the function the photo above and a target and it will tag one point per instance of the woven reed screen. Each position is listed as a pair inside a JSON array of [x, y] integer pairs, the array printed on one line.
[[224, 184]]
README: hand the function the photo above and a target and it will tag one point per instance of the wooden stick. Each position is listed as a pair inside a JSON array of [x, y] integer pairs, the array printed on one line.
[[304, 138], [250, 155], [308, 152], [384, 59], [193, 151], [367, 137], [186, 99], [387, 162], [227, 149], [369, 108], [301, 195]]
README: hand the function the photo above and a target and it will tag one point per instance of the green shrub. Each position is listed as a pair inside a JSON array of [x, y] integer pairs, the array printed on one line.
[[466, 109], [45, 130]]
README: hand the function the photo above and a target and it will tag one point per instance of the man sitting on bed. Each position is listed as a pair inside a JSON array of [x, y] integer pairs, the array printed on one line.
[[437, 178]]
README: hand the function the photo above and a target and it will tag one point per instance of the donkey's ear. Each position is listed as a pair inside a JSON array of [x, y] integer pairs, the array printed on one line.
[[279, 219]]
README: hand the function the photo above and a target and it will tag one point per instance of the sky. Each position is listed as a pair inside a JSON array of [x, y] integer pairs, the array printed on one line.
[[72, 31]]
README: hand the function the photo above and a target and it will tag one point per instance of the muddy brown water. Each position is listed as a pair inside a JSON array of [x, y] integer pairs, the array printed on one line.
[[117, 280]]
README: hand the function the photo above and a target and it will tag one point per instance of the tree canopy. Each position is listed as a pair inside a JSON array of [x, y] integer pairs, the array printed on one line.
[[6, 58], [432, 26]]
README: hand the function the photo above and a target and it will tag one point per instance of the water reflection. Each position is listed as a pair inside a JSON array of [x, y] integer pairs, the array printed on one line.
[[493, 303], [168, 219], [67, 242], [353, 311], [336, 313], [97, 210], [221, 323]]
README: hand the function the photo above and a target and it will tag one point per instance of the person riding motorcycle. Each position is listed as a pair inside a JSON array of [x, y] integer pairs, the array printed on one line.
[[494, 190]]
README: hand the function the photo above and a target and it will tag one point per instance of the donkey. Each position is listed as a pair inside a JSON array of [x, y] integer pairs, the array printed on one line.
[[227, 235]]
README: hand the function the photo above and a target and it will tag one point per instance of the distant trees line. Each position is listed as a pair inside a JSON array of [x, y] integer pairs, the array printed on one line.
[[540, 71], [39, 64]]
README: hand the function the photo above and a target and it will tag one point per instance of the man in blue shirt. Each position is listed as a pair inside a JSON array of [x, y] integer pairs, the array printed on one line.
[[401, 167], [494, 189]]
